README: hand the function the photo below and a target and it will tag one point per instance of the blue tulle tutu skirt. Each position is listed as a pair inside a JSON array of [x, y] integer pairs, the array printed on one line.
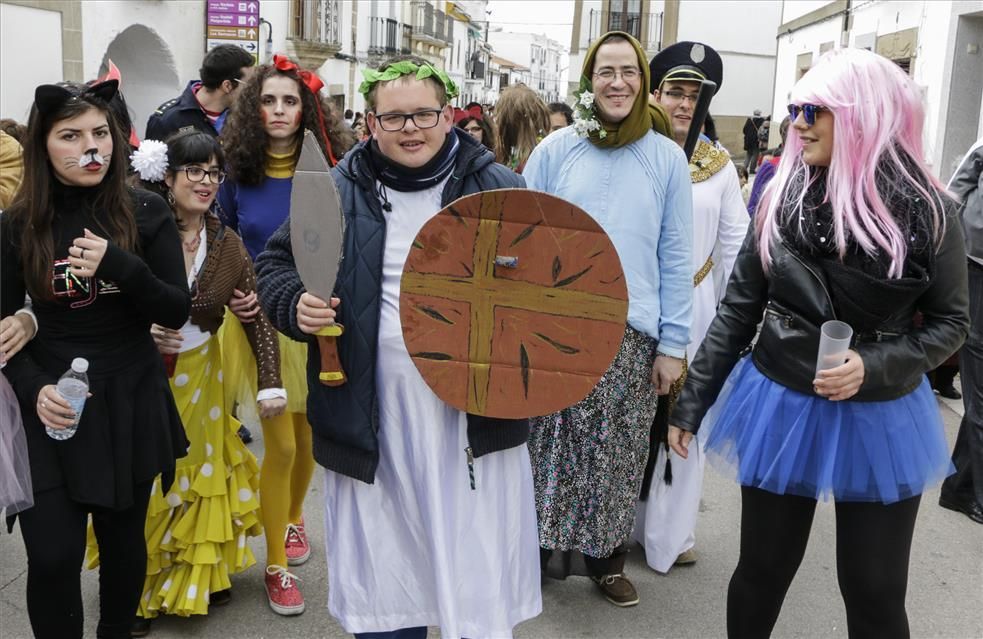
[[785, 442]]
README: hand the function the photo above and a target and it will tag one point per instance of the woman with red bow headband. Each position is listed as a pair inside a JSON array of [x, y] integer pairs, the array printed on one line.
[[262, 139], [477, 126]]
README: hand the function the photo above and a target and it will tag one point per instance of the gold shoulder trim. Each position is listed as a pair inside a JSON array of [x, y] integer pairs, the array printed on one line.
[[706, 161]]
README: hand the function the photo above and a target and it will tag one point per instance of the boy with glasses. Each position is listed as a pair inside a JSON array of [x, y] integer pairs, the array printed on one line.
[[409, 543]]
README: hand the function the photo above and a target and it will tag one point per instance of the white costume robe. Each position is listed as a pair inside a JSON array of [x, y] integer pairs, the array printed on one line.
[[419, 547], [666, 522]]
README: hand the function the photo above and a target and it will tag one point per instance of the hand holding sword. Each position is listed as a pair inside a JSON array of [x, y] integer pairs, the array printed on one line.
[[315, 314]]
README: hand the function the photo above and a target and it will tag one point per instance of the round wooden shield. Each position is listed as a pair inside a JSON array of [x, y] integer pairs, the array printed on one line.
[[513, 303]]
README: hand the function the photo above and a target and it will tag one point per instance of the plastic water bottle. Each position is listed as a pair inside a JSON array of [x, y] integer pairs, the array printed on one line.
[[74, 387]]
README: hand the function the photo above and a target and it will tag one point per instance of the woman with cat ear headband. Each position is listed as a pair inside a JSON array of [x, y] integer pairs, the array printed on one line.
[[102, 262]]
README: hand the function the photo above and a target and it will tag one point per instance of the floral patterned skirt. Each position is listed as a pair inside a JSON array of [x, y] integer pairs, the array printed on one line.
[[589, 459]]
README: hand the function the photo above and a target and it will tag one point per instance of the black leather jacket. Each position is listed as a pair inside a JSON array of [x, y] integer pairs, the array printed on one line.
[[795, 297]]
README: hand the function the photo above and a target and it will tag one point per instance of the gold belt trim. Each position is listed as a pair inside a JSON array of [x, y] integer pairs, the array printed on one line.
[[703, 272]]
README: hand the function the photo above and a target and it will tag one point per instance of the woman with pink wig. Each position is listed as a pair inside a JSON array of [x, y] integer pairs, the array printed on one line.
[[855, 228]]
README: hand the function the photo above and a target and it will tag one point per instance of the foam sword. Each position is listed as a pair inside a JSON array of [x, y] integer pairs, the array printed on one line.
[[317, 226]]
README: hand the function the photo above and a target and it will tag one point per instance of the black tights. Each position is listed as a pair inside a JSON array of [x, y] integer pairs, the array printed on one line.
[[54, 535], [873, 543]]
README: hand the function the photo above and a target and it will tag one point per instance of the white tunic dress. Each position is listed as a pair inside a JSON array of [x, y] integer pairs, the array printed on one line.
[[666, 522], [419, 547]]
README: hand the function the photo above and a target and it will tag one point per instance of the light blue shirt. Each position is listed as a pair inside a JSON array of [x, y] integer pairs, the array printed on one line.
[[642, 197]]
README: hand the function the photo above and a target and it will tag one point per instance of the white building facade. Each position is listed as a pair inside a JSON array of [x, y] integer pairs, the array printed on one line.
[[159, 45], [937, 41], [542, 56]]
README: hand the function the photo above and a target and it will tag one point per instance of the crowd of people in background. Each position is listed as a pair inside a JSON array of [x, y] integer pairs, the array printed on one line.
[[167, 264]]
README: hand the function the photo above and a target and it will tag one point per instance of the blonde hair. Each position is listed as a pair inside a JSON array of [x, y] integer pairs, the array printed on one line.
[[523, 119]]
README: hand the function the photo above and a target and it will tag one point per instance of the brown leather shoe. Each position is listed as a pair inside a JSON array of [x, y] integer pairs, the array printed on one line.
[[617, 589], [686, 558]]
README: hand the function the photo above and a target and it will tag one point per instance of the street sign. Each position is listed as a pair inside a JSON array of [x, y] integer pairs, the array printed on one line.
[[250, 46], [234, 22], [231, 33]]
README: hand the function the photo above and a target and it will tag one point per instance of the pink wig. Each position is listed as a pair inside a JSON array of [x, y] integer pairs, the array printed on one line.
[[878, 118]]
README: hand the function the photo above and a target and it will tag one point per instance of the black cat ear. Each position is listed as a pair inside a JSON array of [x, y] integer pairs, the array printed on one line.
[[50, 97], [104, 90]]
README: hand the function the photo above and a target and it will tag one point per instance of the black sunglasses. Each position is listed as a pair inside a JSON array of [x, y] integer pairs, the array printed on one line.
[[808, 111]]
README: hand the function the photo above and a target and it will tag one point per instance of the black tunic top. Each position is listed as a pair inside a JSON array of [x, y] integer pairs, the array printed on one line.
[[130, 429]]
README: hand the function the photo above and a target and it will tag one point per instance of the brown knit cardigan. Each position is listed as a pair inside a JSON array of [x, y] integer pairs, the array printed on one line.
[[227, 266]]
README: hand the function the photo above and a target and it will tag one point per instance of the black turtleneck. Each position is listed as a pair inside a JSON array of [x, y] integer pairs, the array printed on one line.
[[105, 319]]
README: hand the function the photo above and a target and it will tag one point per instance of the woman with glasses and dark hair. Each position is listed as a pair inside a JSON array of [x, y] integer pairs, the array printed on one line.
[[262, 142], [101, 262], [475, 124], [854, 227], [196, 530]]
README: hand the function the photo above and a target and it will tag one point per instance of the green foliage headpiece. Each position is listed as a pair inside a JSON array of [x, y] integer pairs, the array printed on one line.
[[406, 67]]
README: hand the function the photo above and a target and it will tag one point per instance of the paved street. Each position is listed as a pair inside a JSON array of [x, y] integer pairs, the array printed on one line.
[[945, 594]]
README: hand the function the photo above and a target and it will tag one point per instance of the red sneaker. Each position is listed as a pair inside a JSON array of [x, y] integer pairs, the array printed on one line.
[[295, 543], [282, 591]]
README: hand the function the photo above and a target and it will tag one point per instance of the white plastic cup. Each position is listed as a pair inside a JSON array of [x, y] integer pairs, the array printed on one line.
[[834, 342]]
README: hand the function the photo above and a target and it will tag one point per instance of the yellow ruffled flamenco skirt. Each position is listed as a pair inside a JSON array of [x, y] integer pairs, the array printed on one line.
[[239, 361], [196, 533]]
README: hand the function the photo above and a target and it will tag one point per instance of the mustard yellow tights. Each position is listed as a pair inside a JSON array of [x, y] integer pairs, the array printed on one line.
[[288, 465]]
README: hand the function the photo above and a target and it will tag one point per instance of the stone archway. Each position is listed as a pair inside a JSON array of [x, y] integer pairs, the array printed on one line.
[[148, 71]]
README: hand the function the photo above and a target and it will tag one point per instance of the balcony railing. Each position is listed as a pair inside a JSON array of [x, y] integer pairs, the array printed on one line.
[[477, 70], [432, 24], [318, 21], [646, 27], [383, 36], [438, 24], [407, 39], [424, 19]]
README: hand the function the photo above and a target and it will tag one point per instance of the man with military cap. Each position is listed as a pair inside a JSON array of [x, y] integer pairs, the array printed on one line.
[[204, 102], [667, 518]]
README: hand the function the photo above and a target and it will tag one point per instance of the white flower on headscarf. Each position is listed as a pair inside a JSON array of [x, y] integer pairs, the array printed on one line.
[[150, 160], [585, 123], [586, 99]]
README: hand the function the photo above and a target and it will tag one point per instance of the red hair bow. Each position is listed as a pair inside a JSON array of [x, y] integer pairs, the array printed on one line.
[[310, 80], [474, 112], [314, 85]]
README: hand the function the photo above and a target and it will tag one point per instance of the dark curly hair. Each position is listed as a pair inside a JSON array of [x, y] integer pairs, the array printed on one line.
[[244, 137]]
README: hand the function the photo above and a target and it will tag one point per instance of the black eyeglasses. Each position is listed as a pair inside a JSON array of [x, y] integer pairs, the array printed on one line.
[[197, 174], [808, 111], [425, 119]]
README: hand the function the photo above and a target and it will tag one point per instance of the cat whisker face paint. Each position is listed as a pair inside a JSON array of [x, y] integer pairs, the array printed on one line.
[[93, 157]]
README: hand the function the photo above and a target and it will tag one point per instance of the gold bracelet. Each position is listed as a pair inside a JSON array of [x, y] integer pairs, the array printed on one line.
[[661, 354]]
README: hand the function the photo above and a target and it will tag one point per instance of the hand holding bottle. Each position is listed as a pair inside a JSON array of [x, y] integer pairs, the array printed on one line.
[[53, 410]]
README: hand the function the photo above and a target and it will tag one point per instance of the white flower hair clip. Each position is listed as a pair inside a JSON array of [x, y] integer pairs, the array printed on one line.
[[585, 119], [150, 160]]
